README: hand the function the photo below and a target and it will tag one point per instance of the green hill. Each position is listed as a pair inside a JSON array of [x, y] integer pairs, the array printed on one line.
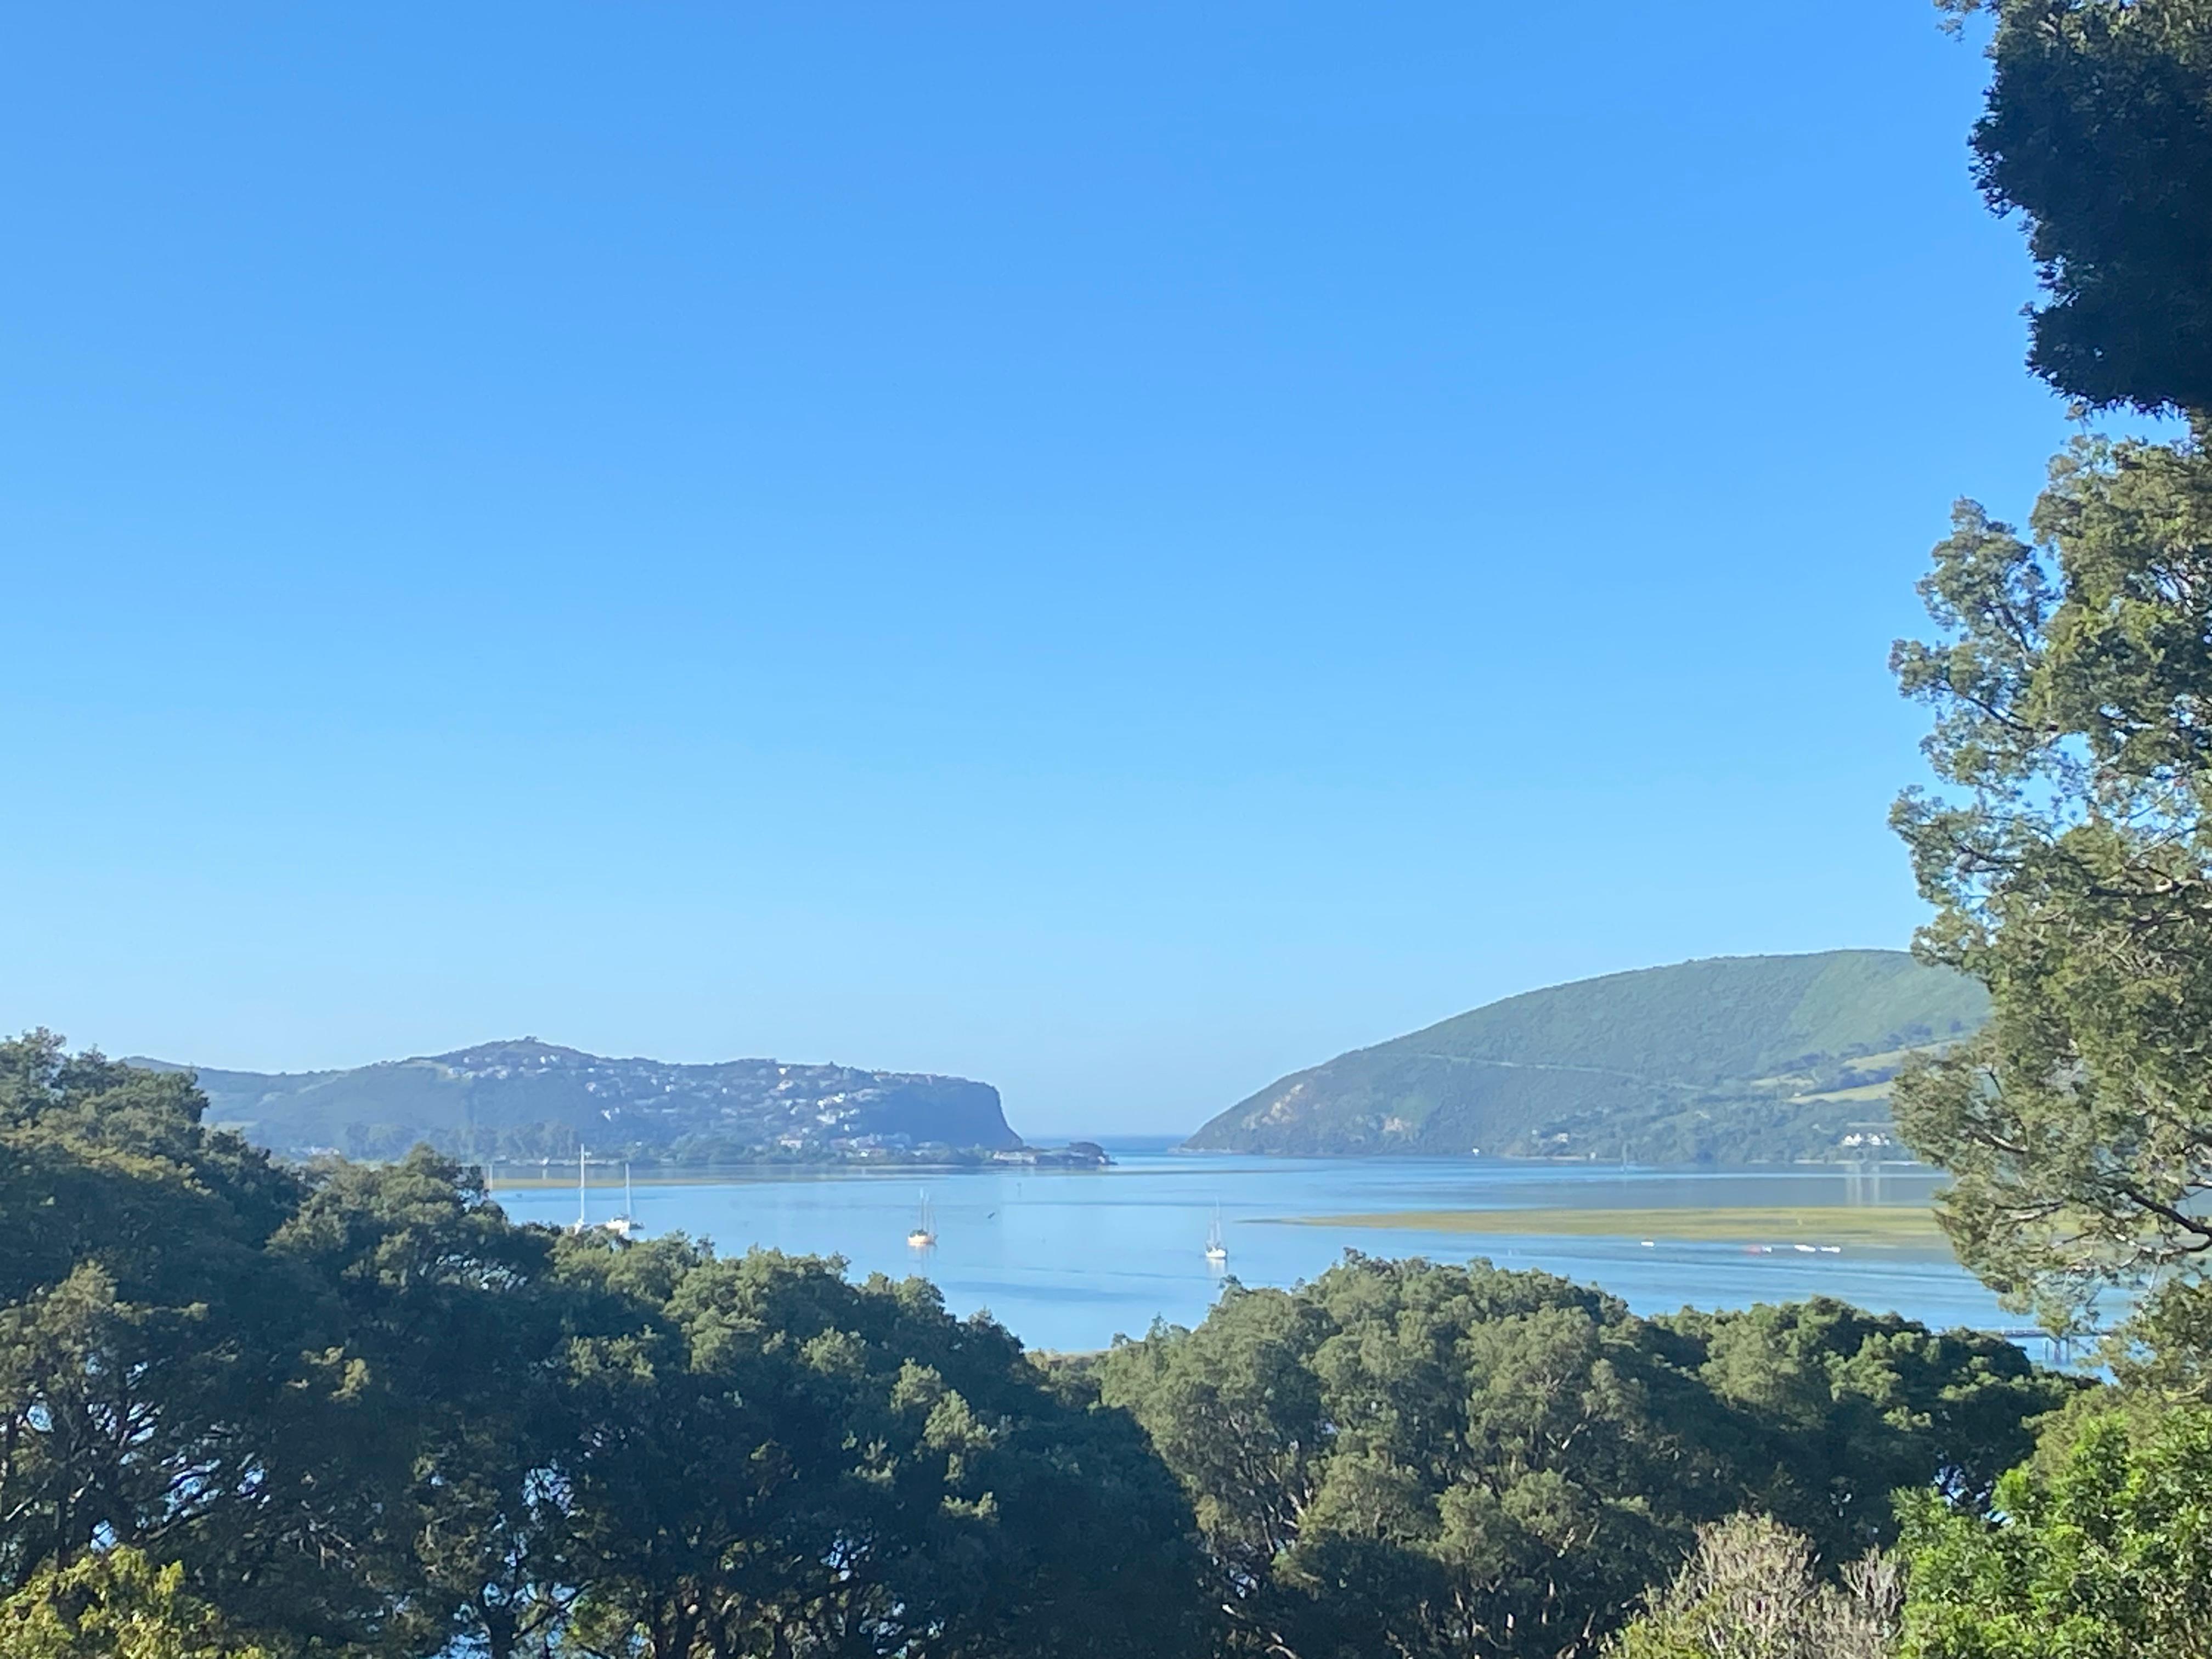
[[529, 1099], [1730, 1060]]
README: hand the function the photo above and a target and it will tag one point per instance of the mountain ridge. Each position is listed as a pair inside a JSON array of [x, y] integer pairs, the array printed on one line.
[[1718, 1060], [522, 1097]]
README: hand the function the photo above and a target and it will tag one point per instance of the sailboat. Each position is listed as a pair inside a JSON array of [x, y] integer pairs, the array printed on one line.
[[581, 1222], [1216, 1251], [624, 1226], [924, 1229]]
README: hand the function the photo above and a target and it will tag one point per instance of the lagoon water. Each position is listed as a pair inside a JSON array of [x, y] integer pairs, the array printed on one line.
[[1067, 1259]]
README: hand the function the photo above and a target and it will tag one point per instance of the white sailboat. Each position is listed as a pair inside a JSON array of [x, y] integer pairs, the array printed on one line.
[[624, 1226], [581, 1223], [924, 1228], [1216, 1252]]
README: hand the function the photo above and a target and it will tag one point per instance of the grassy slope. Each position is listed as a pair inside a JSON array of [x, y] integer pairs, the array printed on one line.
[[1713, 1060]]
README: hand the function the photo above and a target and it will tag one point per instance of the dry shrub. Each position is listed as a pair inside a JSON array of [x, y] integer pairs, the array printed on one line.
[[1750, 1591]]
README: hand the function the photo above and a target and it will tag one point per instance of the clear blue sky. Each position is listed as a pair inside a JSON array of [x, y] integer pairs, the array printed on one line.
[[1116, 549]]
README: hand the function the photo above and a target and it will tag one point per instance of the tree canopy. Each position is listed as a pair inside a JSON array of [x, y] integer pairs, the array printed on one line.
[[355, 1410], [2099, 131], [2106, 1554], [115, 1604], [2068, 856], [1469, 1461], [249, 1411]]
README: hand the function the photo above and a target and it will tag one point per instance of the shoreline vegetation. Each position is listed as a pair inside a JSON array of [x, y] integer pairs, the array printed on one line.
[[1878, 1226]]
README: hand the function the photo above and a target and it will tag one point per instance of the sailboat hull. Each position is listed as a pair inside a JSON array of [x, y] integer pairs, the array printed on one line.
[[924, 1228]]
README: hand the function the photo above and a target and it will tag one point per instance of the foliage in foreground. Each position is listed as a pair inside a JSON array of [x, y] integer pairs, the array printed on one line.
[[2099, 1548], [114, 1604], [358, 1412], [2104, 1554], [355, 1411], [1467, 1462], [2099, 131], [1751, 1591], [2070, 863]]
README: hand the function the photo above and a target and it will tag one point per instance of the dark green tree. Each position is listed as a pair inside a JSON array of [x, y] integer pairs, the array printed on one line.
[[357, 1410], [1833, 1408], [785, 1463], [1424, 1460], [459, 1428], [2099, 131], [2067, 857], [166, 1381]]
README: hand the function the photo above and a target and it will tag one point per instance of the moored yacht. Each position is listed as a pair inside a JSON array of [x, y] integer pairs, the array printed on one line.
[[624, 1226]]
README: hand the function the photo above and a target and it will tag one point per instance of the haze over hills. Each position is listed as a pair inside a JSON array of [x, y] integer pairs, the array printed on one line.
[[1729, 1060], [532, 1099]]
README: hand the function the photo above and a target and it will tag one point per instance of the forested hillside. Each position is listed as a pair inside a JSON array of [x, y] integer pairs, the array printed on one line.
[[1735, 1059], [532, 1099]]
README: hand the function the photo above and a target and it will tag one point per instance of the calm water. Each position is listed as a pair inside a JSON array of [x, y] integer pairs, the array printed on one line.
[[1068, 1259]]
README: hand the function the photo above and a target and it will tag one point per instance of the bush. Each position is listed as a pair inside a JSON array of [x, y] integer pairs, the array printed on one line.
[[115, 1605], [1750, 1592], [2103, 1551]]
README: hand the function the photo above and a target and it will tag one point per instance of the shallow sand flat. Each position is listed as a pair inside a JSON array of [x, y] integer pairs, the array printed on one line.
[[1892, 1226]]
